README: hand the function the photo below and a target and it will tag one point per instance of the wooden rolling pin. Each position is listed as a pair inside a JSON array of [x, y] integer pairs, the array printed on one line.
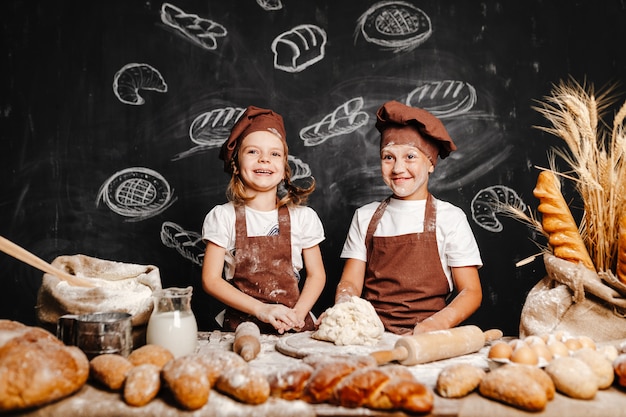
[[247, 342], [437, 345]]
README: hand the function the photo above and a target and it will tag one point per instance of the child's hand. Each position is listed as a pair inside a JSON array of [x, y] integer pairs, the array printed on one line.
[[280, 316]]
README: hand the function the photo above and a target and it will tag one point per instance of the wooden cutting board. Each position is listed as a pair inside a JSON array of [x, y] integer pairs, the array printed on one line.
[[300, 345]]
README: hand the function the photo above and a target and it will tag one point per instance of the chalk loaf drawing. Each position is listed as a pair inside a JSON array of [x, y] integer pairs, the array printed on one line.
[[489, 202], [134, 77], [210, 129], [137, 193], [200, 31], [395, 25], [447, 98], [344, 119], [299, 48], [188, 243], [270, 4]]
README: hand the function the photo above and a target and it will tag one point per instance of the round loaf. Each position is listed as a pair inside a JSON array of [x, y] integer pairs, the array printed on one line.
[[245, 384], [36, 368], [150, 354], [110, 370], [142, 384], [187, 380]]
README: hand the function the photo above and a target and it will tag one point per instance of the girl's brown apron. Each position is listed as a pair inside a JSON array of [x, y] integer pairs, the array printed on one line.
[[264, 270], [404, 279]]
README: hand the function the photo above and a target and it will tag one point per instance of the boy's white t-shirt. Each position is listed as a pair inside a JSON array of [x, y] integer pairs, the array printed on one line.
[[219, 227], [455, 239]]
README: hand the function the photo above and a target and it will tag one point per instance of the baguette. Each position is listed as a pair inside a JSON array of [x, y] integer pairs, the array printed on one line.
[[558, 222]]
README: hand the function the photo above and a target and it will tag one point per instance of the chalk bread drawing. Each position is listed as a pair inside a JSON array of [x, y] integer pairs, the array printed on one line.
[[270, 4], [395, 25], [200, 31], [210, 129], [299, 48], [447, 98], [489, 202], [188, 243], [134, 77], [344, 119], [299, 169], [137, 193]]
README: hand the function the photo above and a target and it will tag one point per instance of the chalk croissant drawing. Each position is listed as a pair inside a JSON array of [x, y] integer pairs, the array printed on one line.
[[447, 98], [489, 202], [299, 169], [270, 4], [210, 129], [188, 243], [395, 25], [299, 48], [137, 193], [200, 31], [134, 77], [344, 119]]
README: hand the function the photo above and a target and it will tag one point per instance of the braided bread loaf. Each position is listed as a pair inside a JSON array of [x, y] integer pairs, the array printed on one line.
[[354, 382], [558, 222]]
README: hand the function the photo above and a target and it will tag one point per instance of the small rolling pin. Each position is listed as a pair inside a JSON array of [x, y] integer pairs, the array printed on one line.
[[437, 345], [247, 342]]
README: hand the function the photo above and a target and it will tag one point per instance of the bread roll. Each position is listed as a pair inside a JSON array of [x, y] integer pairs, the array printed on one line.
[[513, 385], [110, 370], [187, 380], [619, 366], [573, 377], [216, 361], [599, 364], [245, 384], [458, 380], [142, 384], [288, 383], [558, 222], [150, 354], [36, 368]]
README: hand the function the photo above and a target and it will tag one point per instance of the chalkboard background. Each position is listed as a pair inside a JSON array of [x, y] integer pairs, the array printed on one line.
[[70, 141]]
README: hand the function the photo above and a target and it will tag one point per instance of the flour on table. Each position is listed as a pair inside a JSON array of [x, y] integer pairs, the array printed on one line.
[[353, 322]]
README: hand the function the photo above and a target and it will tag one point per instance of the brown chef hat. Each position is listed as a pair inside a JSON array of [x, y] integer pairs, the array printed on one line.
[[401, 124], [252, 120]]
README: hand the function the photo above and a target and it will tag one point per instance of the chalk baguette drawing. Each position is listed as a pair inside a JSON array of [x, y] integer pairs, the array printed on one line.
[[299, 48], [346, 118], [137, 193], [200, 31], [134, 77], [395, 25], [446, 98], [210, 129], [270, 5], [187, 243], [489, 202]]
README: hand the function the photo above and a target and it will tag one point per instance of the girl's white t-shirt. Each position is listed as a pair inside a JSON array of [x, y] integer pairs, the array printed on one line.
[[455, 239], [219, 228]]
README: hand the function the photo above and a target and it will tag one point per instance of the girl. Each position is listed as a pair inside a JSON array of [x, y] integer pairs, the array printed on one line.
[[406, 254], [259, 240]]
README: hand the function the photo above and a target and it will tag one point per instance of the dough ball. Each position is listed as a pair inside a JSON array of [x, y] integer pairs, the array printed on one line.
[[353, 322]]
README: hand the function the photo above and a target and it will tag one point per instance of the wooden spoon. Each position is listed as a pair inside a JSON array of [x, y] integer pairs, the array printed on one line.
[[25, 256]]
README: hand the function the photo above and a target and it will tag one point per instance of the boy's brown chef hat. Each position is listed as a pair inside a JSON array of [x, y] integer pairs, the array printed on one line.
[[252, 120], [400, 124]]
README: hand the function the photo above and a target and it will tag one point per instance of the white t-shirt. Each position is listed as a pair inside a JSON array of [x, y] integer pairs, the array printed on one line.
[[455, 239], [219, 228]]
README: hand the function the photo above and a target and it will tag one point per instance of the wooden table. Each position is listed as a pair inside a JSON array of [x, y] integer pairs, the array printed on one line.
[[92, 401]]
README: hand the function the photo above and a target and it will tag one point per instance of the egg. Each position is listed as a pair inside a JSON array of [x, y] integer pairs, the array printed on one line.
[[557, 348], [542, 351], [500, 350], [573, 343], [524, 355], [587, 342]]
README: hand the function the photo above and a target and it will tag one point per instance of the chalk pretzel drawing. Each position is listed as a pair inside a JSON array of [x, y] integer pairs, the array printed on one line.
[[394, 25], [346, 118], [200, 31], [210, 129], [188, 243], [137, 193], [489, 202], [134, 77], [270, 4], [299, 48], [447, 98]]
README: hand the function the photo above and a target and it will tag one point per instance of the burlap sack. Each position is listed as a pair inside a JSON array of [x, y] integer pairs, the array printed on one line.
[[575, 300], [118, 286]]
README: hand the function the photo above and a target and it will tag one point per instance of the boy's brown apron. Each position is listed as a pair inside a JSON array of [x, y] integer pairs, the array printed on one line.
[[404, 279], [264, 270]]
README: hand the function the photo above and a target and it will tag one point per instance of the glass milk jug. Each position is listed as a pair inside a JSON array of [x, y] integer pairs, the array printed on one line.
[[172, 324]]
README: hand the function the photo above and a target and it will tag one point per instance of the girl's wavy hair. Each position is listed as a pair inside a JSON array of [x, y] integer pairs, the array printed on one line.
[[289, 194]]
